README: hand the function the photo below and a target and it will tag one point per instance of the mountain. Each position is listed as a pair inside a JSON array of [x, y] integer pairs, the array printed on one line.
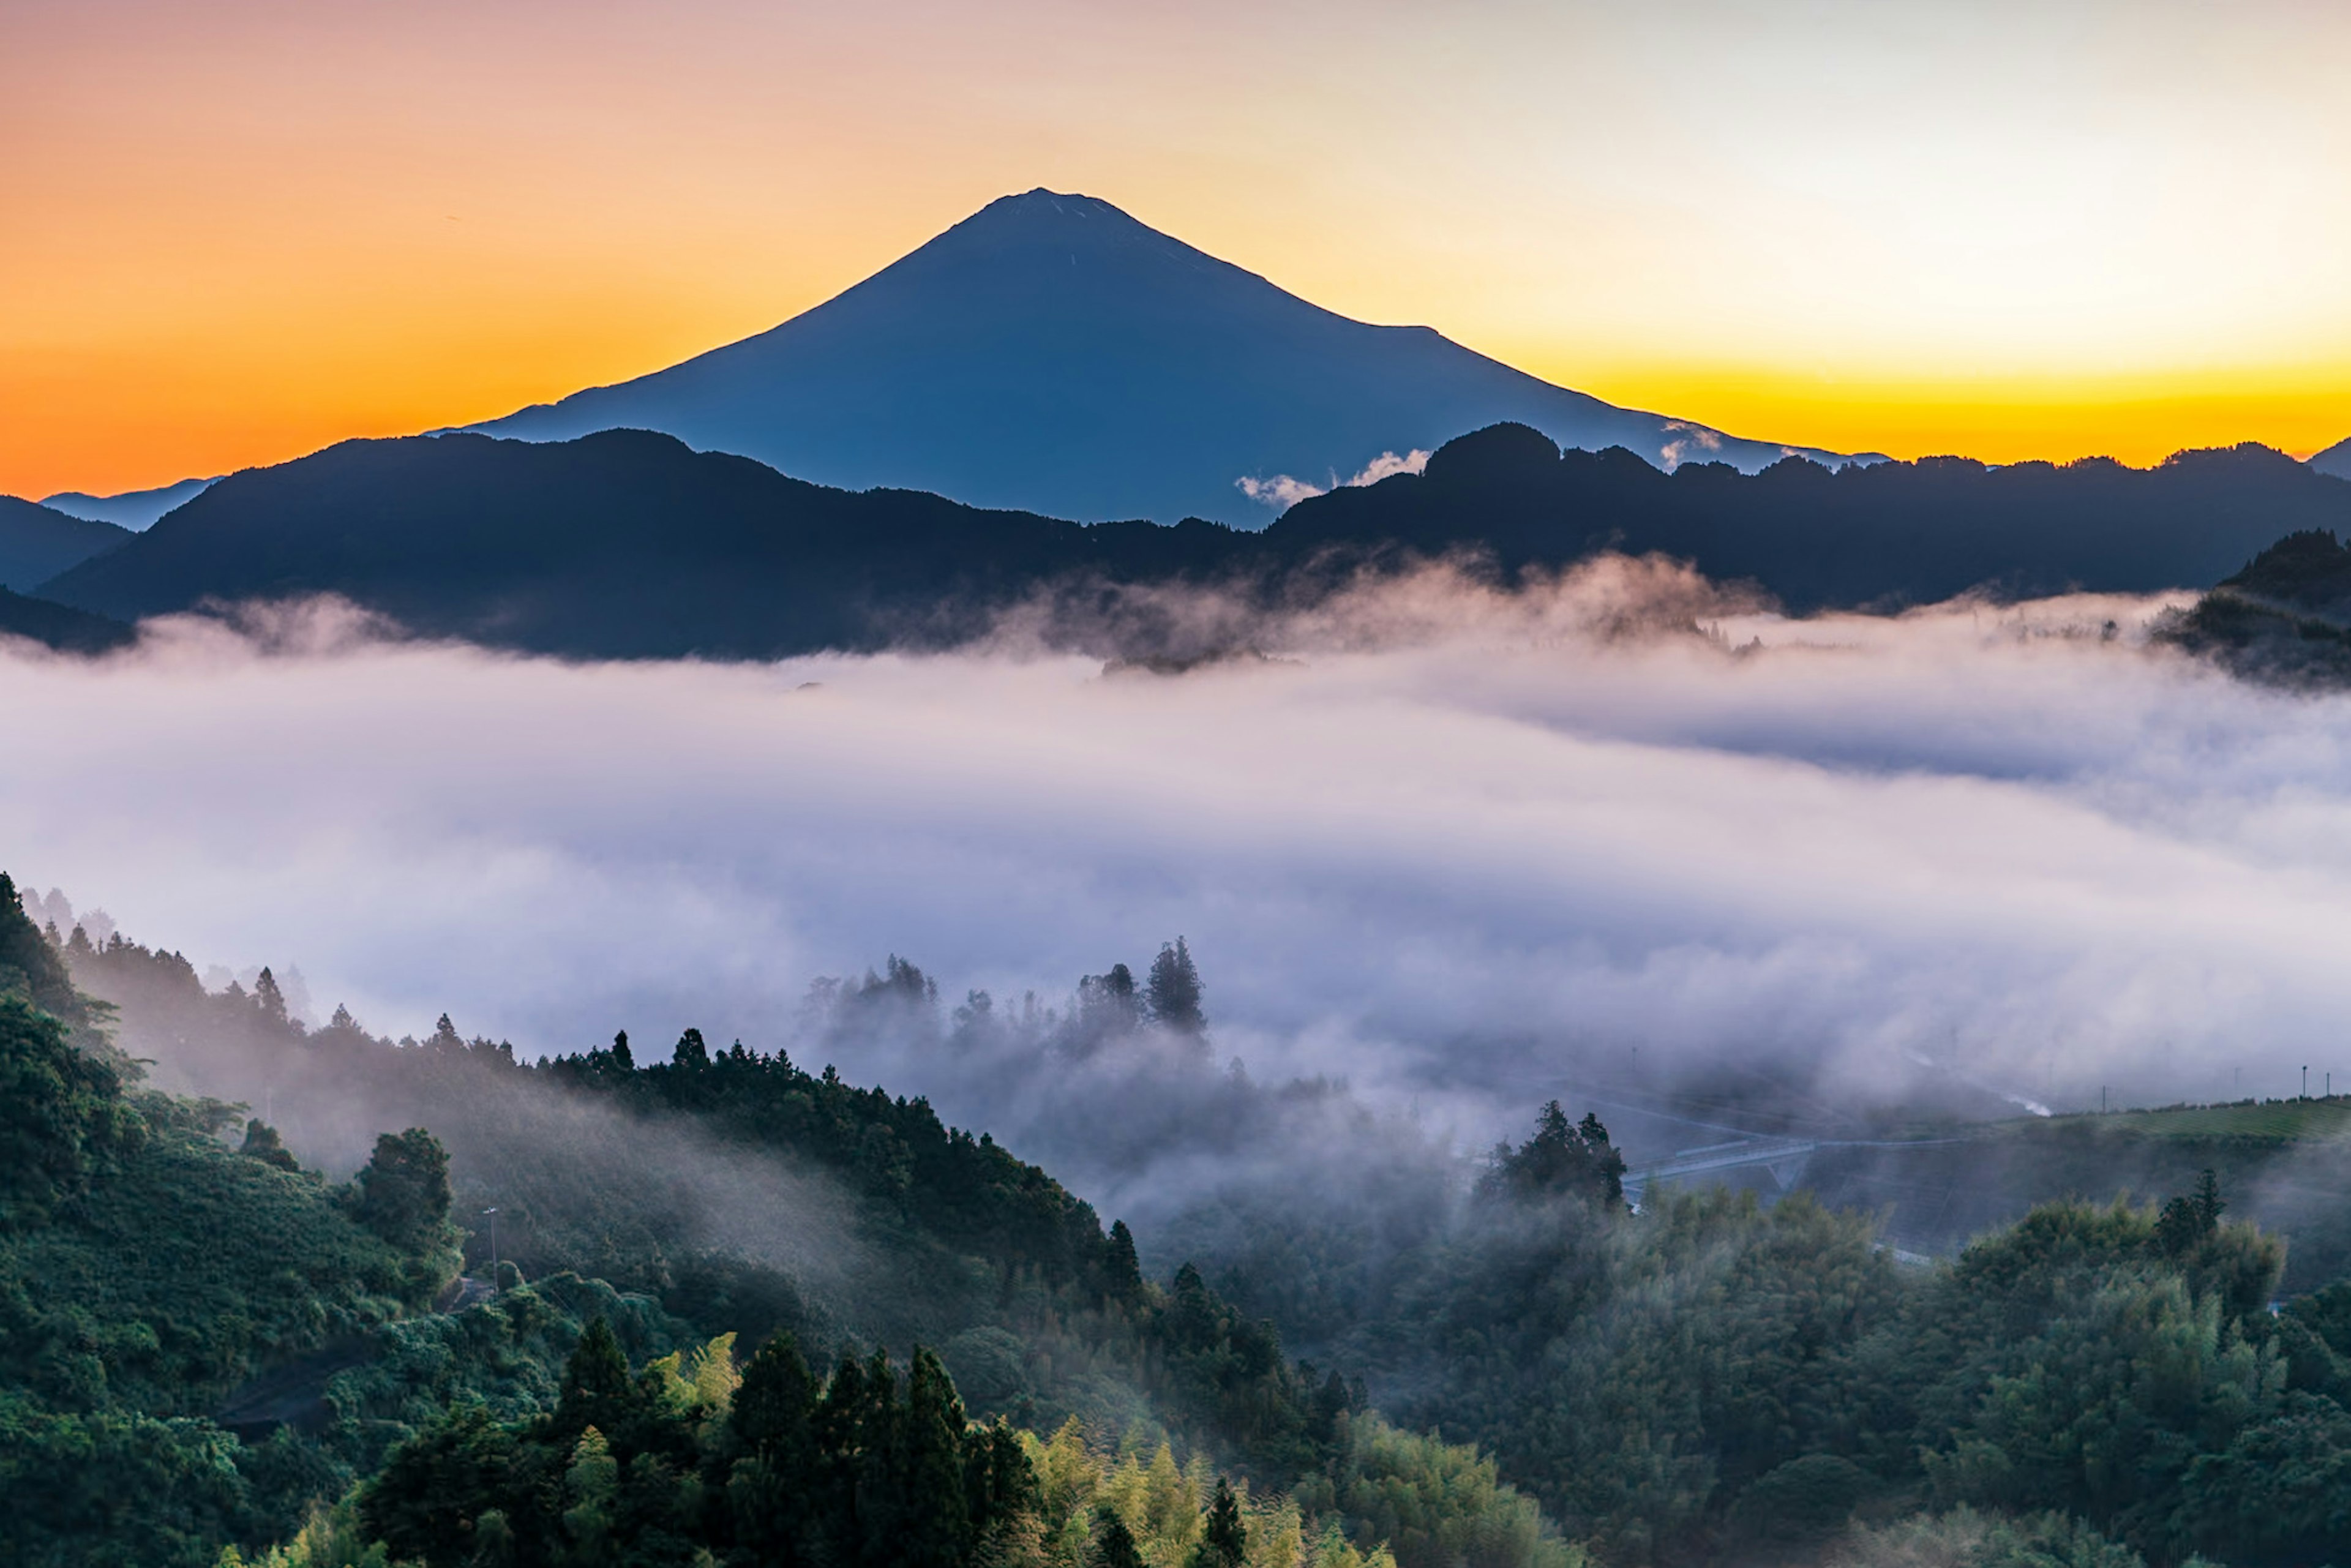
[[2335, 460], [1052, 354], [131, 509], [38, 542], [628, 543], [624, 544], [1881, 535]]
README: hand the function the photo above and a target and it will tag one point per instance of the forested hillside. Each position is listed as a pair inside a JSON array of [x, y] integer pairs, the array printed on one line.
[[742, 1311]]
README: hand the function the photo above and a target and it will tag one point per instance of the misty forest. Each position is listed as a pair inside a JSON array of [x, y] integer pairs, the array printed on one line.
[[279, 1294]]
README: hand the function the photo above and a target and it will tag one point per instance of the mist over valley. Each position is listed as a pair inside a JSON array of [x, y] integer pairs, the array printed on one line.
[[1070, 911]]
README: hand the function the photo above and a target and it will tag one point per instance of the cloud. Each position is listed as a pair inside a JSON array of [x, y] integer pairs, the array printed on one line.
[[1283, 492], [1671, 455], [1466, 850], [1280, 492]]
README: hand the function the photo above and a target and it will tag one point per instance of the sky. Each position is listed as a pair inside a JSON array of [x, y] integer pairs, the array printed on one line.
[[236, 231], [1466, 851]]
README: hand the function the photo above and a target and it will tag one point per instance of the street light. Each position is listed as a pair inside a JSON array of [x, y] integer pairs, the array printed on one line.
[[493, 1246]]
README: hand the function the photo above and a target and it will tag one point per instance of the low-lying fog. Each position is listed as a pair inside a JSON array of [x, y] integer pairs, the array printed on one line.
[[1468, 852]]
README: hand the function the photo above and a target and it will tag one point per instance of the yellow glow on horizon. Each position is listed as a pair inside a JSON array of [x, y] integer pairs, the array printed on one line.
[[237, 232]]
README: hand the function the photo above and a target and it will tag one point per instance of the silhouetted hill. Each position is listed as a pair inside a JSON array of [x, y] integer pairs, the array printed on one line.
[[2284, 619], [130, 508], [624, 544], [628, 543], [1889, 533], [1052, 353], [2335, 460], [66, 629], [38, 542]]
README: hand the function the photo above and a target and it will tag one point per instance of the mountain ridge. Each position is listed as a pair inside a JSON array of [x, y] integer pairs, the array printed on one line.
[[628, 543], [132, 509], [36, 542], [2335, 460]]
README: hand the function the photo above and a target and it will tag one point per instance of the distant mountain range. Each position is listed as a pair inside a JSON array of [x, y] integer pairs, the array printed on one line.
[[628, 543], [129, 509], [2335, 460], [1052, 354], [38, 542]]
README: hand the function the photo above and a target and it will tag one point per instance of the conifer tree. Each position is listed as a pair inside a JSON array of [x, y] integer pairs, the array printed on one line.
[[596, 1390], [772, 1430], [1124, 1268], [270, 1002], [1173, 992], [934, 1522], [1224, 1538], [1113, 1543]]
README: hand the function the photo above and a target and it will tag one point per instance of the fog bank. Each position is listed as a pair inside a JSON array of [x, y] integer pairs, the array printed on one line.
[[1466, 851]]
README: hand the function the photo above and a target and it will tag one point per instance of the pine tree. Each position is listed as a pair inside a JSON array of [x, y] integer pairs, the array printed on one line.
[[934, 1522], [1124, 1267], [1224, 1538], [2209, 1205], [596, 1390], [1113, 1543], [270, 1002], [772, 1431], [1173, 992]]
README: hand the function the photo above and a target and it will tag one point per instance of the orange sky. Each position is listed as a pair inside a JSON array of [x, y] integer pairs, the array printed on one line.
[[235, 232]]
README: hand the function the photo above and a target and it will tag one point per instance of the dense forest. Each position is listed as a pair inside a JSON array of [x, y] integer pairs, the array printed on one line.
[[739, 1312]]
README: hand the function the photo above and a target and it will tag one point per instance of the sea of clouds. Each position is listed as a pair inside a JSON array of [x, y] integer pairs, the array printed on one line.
[[1466, 850]]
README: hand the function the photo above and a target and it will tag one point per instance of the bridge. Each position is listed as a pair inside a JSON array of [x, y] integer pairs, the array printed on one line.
[[1785, 1158]]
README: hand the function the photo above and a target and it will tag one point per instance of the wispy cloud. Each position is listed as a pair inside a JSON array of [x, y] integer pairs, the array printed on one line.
[[1282, 491]]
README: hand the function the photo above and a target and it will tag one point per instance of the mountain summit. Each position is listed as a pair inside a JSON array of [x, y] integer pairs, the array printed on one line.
[[1052, 354]]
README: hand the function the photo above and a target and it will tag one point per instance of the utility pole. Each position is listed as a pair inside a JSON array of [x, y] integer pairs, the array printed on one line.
[[493, 1214], [2306, 1080]]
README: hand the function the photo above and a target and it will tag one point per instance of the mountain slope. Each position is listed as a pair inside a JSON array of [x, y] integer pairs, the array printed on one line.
[[60, 626], [1891, 533], [622, 544], [626, 544], [1050, 353], [131, 509], [2335, 460], [38, 542]]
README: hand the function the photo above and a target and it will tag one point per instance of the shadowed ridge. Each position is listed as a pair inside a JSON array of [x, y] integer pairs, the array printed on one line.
[[2335, 460], [37, 542]]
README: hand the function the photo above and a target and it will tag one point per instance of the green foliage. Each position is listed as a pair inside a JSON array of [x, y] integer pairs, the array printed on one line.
[[403, 1192], [1434, 1504], [62, 1115], [1560, 1161], [664, 1467], [262, 1143], [30, 969]]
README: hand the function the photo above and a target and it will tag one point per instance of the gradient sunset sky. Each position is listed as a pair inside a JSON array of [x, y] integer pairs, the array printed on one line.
[[236, 232]]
